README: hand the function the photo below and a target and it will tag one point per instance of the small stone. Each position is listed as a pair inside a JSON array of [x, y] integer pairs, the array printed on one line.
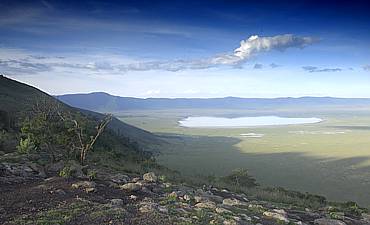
[[147, 208], [150, 177], [229, 222], [245, 217], [90, 190], [325, 221], [206, 205], [280, 211], [187, 198], [232, 202], [84, 184], [119, 178], [167, 185], [198, 199], [131, 187], [222, 210], [366, 217], [133, 197], [277, 216], [60, 192]]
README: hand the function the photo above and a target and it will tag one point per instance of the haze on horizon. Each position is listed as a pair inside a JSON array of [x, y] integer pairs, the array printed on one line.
[[188, 48]]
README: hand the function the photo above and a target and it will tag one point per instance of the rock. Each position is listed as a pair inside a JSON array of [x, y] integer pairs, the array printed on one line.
[[206, 205], [222, 210], [148, 207], [167, 185], [229, 222], [187, 198], [84, 184], [60, 192], [133, 197], [116, 202], [2, 153], [198, 199], [325, 221], [232, 202], [276, 215], [162, 209], [366, 217], [131, 187], [119, 178], [90, 190], [172, 195], [254, 206], [280, 211], [245, 217], [150, 177]]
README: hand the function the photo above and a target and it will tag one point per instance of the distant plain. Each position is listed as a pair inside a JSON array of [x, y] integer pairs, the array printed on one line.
[[331, 158]]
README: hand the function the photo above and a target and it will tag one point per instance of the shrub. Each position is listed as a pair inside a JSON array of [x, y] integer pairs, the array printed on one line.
[[92, 175], [240, 178], [66, 172], [26, 146]]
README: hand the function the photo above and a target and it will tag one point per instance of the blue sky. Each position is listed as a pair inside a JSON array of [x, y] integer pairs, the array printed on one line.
[[189, 48]]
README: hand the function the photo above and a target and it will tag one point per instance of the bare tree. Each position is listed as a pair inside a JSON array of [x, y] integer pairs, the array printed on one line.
[[82, 144]]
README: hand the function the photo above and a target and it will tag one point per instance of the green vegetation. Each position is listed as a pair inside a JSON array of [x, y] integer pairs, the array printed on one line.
[[66, 172], [59, 133], [26, 145], [240, 178]]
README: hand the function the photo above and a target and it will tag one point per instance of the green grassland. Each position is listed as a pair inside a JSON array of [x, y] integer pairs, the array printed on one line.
[[331, 158]]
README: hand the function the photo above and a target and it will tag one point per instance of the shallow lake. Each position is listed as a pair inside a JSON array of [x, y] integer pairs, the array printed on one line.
[[219, 122]]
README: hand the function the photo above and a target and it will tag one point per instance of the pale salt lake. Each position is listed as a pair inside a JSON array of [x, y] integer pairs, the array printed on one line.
[[222, 122]]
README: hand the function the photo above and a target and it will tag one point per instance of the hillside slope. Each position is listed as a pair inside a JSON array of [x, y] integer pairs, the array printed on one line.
[[16, 97], [103, 102]]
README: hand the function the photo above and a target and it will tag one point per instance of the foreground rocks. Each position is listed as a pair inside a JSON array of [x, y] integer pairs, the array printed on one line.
[[126, 199]]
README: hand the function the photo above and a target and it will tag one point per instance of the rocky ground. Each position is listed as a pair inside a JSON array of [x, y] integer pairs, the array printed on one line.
[[30, 195]]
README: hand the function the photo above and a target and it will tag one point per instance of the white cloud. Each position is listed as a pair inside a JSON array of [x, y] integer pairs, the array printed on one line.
[[314, 69], [247, 49], [366, 67], [255, 44]]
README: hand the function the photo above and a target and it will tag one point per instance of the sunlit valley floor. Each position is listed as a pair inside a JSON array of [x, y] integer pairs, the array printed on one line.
[[330, 158]]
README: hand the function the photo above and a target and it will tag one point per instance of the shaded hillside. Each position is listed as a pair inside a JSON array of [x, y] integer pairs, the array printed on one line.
[[17, 98], [104, 102]]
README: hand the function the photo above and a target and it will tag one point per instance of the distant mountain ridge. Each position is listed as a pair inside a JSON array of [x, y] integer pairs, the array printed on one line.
[[104, 102]]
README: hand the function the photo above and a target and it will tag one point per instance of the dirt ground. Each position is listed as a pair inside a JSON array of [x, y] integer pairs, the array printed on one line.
[[54, 201]]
